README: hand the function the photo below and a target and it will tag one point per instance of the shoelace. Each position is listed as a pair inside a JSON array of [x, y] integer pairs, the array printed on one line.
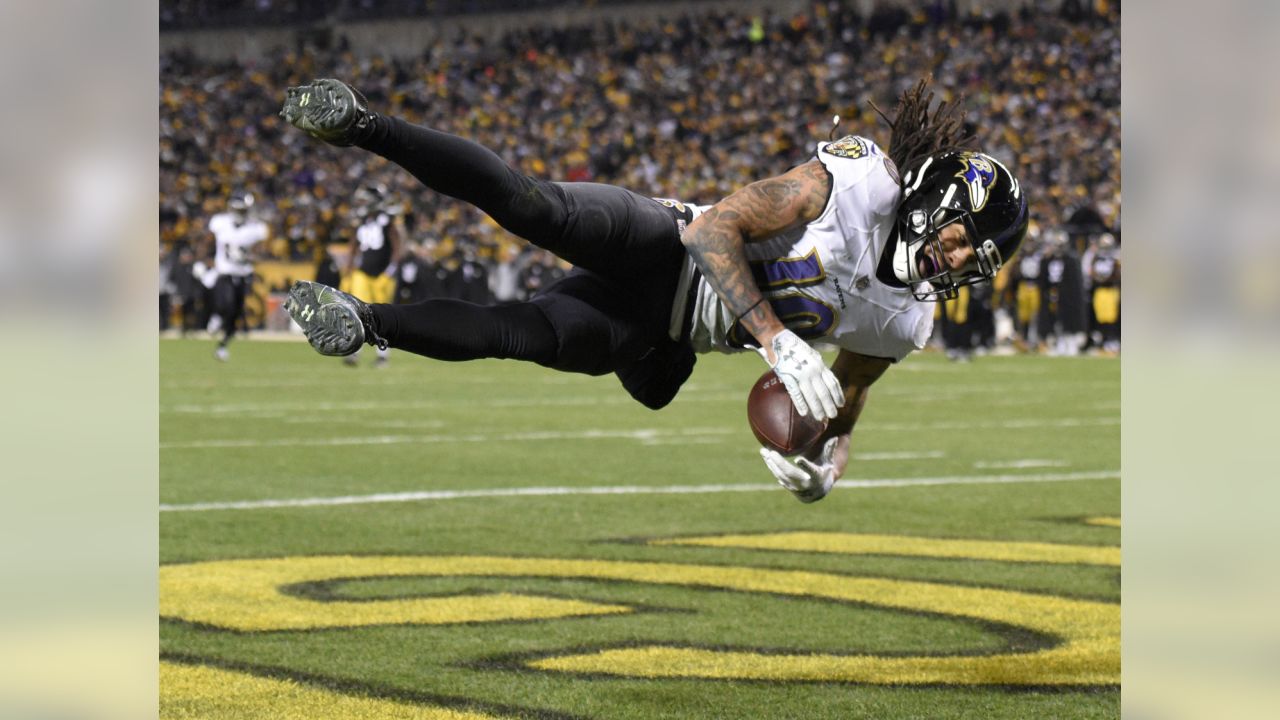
[[366, 319]]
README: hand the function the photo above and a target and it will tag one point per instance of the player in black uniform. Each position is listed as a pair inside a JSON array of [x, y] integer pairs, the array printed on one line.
[[1062, 308], [374, 250], [1103, 271]]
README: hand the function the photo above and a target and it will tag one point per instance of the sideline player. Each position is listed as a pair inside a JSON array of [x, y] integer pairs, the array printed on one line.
[[374, 253], [842, 249], [235, 234]]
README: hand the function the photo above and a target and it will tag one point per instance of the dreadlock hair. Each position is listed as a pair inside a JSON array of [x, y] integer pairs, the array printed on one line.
[[916, 135]]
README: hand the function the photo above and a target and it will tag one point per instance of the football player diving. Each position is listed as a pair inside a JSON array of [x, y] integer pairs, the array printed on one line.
[[849, 248]]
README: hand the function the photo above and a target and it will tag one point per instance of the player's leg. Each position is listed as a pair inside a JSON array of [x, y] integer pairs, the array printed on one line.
[[602, 228], [605, 229], [235, 312], [224, 309], [338, 324], [584, 324], [455, 330], [581, 324]]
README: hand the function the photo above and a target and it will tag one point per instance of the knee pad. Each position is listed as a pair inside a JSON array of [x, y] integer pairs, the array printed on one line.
[[656, 377]]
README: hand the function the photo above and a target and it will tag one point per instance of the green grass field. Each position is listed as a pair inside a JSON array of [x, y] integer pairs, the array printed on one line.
[[583, 557]]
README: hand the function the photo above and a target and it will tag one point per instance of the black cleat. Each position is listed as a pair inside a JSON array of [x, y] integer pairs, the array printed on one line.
[[334, 322], [329, 110]]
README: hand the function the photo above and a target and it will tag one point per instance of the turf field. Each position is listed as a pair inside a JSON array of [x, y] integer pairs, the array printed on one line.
[[496, 540]]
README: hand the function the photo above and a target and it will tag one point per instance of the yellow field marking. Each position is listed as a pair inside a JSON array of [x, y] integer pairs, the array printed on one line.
[[1104, 521], [245, 595], [241, 593], [1078, 666], [860, 544], [1088, 655], [212, 694]]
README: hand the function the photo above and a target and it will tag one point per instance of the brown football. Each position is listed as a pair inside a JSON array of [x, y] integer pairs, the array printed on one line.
[[774, 419]]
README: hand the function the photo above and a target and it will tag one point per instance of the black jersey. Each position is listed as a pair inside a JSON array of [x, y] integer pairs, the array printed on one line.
[[375, 246]]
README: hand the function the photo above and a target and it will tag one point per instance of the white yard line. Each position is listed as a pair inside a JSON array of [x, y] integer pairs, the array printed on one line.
[[648, 435], [927, 455], [641, 435], [402, 497], [1019, 464]]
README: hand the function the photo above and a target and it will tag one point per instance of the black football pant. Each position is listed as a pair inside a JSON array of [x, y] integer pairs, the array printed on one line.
[[611, 314], [229, 293]]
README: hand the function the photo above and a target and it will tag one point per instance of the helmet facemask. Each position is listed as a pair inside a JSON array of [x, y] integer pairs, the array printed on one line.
[[919, 258]]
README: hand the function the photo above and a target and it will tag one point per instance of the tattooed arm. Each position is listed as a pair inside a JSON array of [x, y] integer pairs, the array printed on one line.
[[716, 241], [757, 212]]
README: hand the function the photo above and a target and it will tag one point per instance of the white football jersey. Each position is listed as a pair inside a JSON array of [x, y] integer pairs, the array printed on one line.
[[821, 278], [232, 241]]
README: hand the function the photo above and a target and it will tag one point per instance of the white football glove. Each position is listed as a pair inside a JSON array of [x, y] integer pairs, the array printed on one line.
[[812, 386], [808, 481]]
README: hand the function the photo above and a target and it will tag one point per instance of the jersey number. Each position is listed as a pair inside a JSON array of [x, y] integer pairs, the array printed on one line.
[[370, 238], [782, 281], [237, 254]]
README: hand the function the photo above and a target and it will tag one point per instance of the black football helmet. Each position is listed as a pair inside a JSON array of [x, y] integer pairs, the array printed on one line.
[[965, 187], [371, 199]]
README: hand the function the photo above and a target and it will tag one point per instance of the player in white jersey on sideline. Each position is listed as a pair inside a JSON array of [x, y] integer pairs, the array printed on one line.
[[844, 249], [236, 233]]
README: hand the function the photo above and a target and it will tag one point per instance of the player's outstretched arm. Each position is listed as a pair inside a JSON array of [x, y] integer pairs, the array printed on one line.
[[856, 373], [756, 212], [716, 241], [812, 475]]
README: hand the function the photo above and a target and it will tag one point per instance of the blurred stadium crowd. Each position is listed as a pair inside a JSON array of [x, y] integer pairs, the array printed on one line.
[[689, 107]]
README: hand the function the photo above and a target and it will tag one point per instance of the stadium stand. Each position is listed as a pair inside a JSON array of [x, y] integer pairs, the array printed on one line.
[[690, 107]]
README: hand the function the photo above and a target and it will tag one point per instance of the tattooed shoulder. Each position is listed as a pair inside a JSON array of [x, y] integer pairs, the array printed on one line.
[[815, 181], [774, 205]]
